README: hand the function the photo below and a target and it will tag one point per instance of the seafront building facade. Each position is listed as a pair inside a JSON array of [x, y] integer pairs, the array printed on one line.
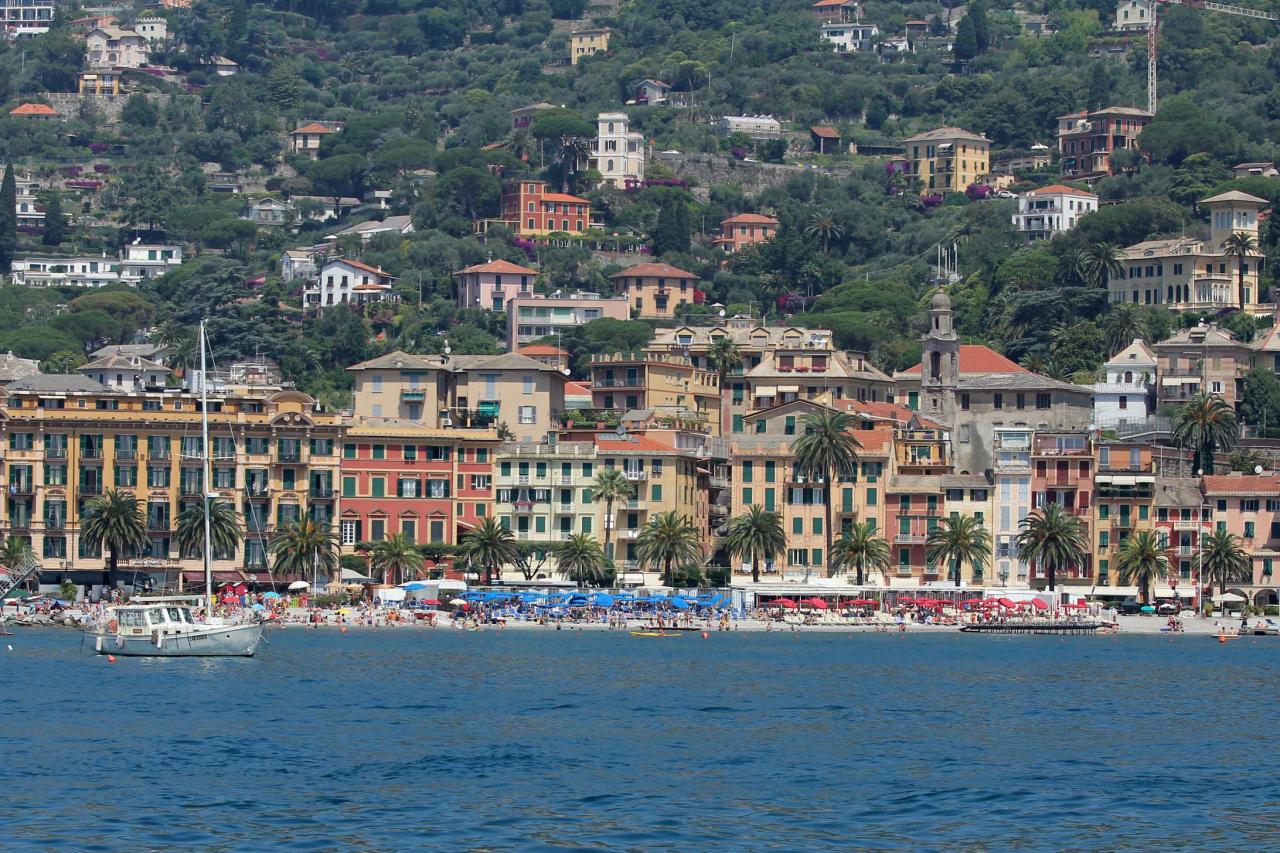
[[434, 445]]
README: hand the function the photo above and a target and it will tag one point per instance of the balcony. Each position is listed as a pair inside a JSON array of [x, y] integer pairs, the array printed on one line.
[[1186, 551], [566, 535], [20, 522], [629, 533], [565, 508], [290, 457], [21, 489], [59, 451], [635, 475], [719, 482], [55, 523], [563, 480], [125, 453], [523, 479], [618, 383], [1189, 525], [523, 506], [1123, 522], [910, 538], [413, 395], [522, 535], [322, 492], [89, 489]]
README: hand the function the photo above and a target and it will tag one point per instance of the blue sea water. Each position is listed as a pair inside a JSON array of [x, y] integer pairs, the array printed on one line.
[[436, 740]]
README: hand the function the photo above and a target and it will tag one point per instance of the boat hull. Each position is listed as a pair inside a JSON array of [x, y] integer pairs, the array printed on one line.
[[221, 641]]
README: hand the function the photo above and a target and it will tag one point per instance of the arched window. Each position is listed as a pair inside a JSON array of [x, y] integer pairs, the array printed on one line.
[[1128, 377], [935, 365]]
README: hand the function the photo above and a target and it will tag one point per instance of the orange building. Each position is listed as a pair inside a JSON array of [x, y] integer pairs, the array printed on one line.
[[655, 290], [745, 229]]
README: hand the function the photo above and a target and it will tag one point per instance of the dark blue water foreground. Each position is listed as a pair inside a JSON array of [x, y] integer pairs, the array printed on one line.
[[406, 740]]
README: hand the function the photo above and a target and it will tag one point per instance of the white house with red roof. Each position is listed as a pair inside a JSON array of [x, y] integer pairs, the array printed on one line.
[[343, 281], [305, 141], [490, 285], [1052, 210]]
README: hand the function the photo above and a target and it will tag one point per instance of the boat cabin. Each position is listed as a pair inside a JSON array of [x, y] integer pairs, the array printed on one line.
[[169, 618]]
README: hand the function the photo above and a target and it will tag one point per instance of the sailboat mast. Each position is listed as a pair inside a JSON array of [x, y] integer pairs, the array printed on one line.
[[206, 475]]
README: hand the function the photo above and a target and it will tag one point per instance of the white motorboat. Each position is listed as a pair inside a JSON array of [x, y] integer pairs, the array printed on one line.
[[169, 629]]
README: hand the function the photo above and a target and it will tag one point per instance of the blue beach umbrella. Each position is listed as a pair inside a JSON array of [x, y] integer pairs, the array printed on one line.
[[603, 599], [414, 585], [271, 595], [679, 604]]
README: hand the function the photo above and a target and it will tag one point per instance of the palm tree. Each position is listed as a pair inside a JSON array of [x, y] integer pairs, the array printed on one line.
[[756, 535], [861, 548], [114, 521], [1242, 246], [1053, 538], [569, 152], [581, 559], [491, 546], [1121, 326], [825, 227], [520, 144], [667, 539], [1205, 423], [1141, 559], [1222, 558], [224, 529], [1073, 268], [959, 540], [1103, 262], [305, 547], [14, 551], [827, 450], [397, 557], [610, 485], [724, 356]]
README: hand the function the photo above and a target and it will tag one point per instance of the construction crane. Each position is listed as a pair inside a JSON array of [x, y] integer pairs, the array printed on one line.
[[1153, 7]]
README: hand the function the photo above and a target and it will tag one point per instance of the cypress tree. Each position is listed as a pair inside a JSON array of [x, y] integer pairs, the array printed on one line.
[[966, 46], [8, 219], [55, 227]]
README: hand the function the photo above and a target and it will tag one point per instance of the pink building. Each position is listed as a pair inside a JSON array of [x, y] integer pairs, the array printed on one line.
[[489, 286], [1249, 507], [745, 229]]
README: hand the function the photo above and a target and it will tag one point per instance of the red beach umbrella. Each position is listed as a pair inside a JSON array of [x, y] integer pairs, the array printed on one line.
[[817, 603], [784, 602], [1038, 604]]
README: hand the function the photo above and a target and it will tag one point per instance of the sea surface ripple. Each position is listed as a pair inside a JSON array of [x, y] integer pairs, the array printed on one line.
[[439, 740]]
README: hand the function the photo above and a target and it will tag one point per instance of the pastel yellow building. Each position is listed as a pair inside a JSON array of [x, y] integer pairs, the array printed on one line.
[[583, 43], [68, 439], [947, 159]]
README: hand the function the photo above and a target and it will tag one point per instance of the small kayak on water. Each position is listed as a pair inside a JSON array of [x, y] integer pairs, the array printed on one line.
[[655, 634]]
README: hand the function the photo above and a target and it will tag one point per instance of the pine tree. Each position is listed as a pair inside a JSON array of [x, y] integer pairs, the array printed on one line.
[[8, 219], [981, 27], [55, 227]]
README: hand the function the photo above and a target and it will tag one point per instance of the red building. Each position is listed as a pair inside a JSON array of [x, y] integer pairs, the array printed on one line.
[[532, 211], [432, 485]]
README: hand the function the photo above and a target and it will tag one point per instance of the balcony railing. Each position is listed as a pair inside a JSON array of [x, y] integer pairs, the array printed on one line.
[[910, 538], [566, 508], [636, 475], [629, 533], [1189, 525]]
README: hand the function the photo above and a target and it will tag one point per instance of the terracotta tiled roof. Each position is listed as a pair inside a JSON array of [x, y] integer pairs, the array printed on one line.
[[631, 443], [1060, 188], [1264, 484], [975, 358], [749, 219], [315, 127], [946, 133], [577, 389], [564, 197], [33, 110], [541, 349], [654, 271], [499, 266], [825, 132]]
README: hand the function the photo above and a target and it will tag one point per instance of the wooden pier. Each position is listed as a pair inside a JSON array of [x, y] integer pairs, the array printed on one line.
[[1058, 628]]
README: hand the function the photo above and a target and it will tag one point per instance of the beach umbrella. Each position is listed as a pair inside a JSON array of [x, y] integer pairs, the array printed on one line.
[[458, 602], [413, 585], [271, 595], [297, 585], [1005, 602], [603, 599], [1039, 604], [679, 603], [1147, 608], [434, 602], [785, 602], [257, 606], [817, 603]]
